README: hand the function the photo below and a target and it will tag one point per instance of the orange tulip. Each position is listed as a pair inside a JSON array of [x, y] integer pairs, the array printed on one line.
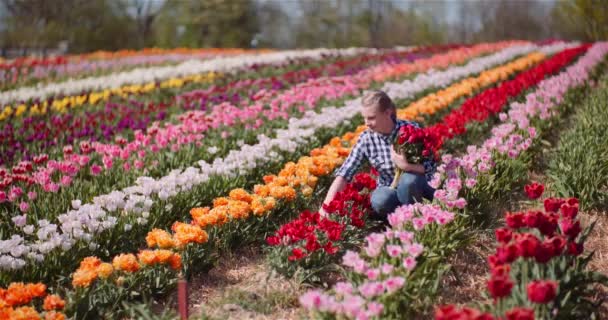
[[53, 302], [125, 262]]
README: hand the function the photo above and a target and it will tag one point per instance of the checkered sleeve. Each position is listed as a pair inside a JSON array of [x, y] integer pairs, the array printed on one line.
[[354, 159]]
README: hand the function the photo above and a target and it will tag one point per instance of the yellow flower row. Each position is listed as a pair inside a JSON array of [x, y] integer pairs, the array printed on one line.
[[303, 175], [443, 98], [62, 105]]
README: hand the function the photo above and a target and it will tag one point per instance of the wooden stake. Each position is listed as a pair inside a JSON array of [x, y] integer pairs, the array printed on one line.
[[182, 297]]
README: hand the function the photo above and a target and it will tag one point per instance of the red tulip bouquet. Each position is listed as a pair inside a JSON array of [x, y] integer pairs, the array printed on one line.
[[416, 145]]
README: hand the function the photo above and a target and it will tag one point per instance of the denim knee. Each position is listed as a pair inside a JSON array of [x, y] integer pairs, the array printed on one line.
[[411, 188], [384, 200]]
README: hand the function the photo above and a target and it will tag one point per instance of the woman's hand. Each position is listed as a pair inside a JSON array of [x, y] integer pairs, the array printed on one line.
[[399, 160]]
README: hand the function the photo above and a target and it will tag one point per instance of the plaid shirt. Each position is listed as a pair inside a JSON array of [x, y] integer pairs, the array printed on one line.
[[376, 148]]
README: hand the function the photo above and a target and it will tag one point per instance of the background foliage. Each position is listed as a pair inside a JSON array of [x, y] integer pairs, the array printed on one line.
[[88, 25]]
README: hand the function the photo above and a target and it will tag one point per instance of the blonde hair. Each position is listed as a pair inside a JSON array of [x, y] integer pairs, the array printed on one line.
[[378, 98]]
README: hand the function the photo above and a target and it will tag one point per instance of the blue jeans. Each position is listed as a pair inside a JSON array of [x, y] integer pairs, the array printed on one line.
[[411, 188]]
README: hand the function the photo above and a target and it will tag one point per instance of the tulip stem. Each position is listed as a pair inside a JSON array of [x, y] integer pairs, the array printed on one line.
[[396, 179]]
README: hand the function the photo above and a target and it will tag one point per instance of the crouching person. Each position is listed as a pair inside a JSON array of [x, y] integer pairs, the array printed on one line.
[[376, 146]]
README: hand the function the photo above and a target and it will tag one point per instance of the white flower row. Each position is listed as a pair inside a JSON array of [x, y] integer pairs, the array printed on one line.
[[84, 221], [82, 66], [145, 75]]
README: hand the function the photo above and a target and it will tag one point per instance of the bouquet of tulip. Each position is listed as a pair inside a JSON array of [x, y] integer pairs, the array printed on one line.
[[416, 145]]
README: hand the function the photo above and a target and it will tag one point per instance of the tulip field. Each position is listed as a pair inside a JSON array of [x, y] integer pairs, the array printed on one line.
[[127, 176]]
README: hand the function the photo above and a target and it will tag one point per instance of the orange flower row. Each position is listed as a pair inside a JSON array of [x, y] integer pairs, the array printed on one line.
[[436, 101], [154, 257], [442, 60], [18, 294], [29, 313], [159, 51], [92, 268], [293, 178], [183, 234]]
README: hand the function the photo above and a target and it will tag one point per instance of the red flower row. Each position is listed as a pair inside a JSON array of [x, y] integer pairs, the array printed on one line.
[[492, 101], [558, 229]]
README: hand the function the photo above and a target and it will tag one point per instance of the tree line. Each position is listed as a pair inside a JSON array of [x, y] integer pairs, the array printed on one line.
[[89, 25]]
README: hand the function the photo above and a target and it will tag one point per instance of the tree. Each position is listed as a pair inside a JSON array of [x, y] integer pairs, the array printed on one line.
[[145, 12], [504, 19], [581, 19], [210, 23], [275, 26], [86, 24]]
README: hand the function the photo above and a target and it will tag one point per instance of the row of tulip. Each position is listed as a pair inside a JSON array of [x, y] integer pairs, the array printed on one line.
[[467, 177], [153, 74], [171, 137], [174, 137], [15, 302], [259, 203], [29, 62], [29, 72], [138, 199], [34, 135], [62, 102], [241, 204], [451, 93], [538, 271]]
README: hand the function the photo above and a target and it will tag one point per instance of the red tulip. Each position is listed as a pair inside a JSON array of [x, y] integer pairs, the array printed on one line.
[[501, 271], [527, 245], [544, 253], [503, 235], [515, 220], [451, 312], [553, 204], [575, 249], [500, 287], [534, 190], [296, 254], [520, 314], [542, 291], [558, 243], [570, 228], [273, 241], [533, 219], [507, 253], [569, 210], [548, 224], [329, 248]]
